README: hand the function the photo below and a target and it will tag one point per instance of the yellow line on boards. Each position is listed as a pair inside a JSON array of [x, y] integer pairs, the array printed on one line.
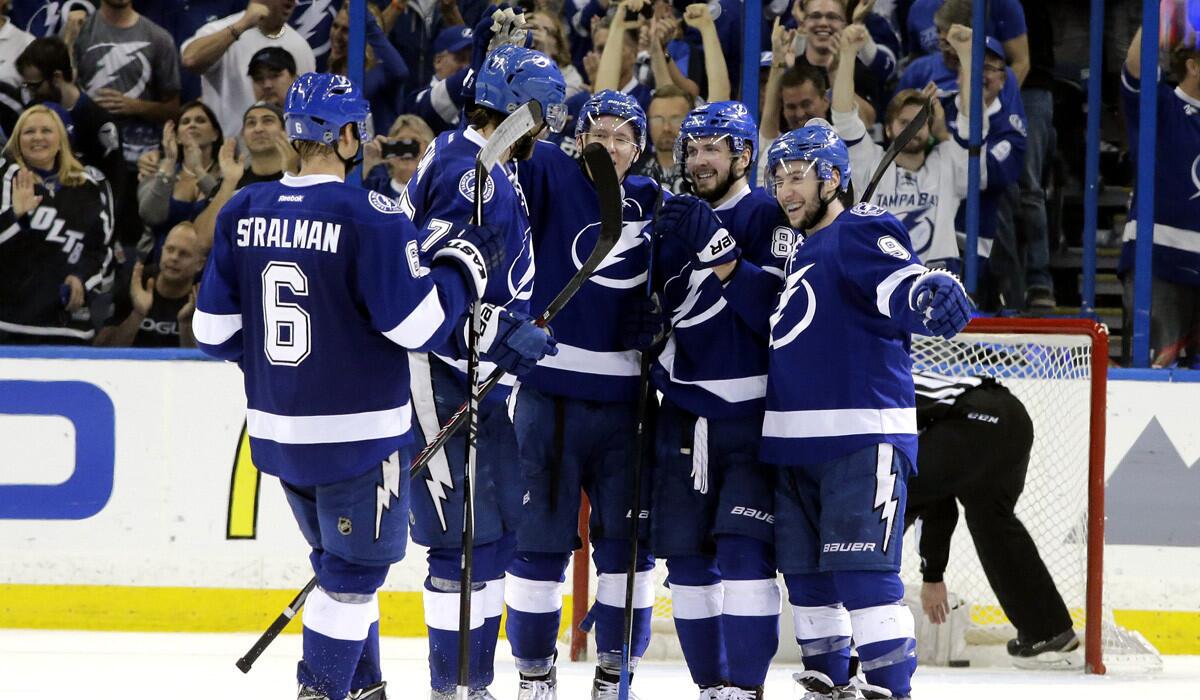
[[178, 609]]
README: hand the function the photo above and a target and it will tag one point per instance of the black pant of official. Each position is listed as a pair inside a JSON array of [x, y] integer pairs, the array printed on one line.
[[979, 453]]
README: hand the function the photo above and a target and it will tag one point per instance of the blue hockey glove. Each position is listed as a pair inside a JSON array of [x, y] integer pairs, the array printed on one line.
[[512, 341], [645, 325], [940, 298], [693, 221], [477, 250]]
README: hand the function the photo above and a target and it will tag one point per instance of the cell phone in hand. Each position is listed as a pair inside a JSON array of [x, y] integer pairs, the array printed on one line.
[[401, 148]]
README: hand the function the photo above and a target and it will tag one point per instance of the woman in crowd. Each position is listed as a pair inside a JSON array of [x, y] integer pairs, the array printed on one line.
[[175, 182], [56, 229], [405, 144]]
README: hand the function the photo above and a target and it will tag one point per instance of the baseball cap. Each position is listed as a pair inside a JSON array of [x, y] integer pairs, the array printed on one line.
[[264, 105], [453, 39], [273, 57]]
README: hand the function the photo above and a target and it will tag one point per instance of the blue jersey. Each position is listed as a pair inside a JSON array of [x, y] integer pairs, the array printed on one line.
[[715, 365], [1176, 255], [839, 376], [313, 20], [591, 362], [441, 196], [316, 289]]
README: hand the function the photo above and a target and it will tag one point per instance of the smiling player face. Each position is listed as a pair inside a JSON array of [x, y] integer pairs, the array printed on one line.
[[711, 166], [799, 192]]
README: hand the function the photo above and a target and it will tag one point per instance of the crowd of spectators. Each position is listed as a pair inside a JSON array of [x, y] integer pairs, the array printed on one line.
[[167, 109]]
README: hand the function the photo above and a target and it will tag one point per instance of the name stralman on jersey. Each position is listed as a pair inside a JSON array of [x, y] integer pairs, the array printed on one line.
[[261, 232]]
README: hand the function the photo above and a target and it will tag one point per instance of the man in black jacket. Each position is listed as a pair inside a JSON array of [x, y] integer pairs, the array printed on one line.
[[974, 446]]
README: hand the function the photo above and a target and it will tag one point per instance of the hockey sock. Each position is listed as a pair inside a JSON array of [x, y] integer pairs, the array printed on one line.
[[534, 594], [750, 617], [696, 595], [822, 625], [336, 627], [368, 672], [441, 618], [883, 628], [608, 614]]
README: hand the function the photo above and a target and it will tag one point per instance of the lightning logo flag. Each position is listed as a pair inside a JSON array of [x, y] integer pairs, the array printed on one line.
[[389, 489], [885, 488]]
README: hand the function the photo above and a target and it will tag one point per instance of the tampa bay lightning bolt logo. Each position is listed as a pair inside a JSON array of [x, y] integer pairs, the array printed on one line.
[[781, 335], [312, 19], [920, 229], [617, 270], [520, 272]]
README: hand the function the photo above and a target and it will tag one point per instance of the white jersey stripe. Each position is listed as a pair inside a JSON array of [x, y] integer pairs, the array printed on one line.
[[838, 422], [214, 329], [570, 358], [319, 430], [416, 329], [886, 288]]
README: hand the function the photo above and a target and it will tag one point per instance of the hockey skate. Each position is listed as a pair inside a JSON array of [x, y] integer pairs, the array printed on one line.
[[818, 686], [539, 687], [475, 694], [374, 692], [606, 686], [872, 692], [1058, 652], [713, 693], [735, 693]]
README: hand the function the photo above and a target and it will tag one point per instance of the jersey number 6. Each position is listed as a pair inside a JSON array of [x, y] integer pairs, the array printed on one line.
[[288, 335]]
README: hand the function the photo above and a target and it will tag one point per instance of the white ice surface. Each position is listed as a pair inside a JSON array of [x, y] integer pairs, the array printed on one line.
[[103, 665]]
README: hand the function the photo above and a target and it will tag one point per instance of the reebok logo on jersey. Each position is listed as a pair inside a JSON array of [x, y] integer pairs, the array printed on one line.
[[754, 513], [291, 198], [848, 547]]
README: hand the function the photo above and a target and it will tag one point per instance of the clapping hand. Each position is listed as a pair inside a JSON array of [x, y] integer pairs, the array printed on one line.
[[141, 291], [24, 198]]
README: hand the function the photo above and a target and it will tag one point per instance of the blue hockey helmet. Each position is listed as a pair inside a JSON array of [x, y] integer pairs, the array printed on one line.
[[512, 75], [614, 104], [729, 118], [815, 143], [318, 106]]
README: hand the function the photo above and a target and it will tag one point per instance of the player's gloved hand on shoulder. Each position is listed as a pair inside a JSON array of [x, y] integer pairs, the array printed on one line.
[[940, 298], [693, 220], [512, 341], [644, 325], [478, 251]]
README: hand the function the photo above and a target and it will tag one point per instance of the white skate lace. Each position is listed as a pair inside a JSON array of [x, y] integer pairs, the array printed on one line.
[[536, 690]]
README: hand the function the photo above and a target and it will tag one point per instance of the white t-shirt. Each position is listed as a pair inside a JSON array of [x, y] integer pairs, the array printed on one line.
[[12, 42], [226, 87]]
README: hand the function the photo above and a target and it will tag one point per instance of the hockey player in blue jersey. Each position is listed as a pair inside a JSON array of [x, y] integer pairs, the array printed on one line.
[[439, 197], [575, 413], [840, 421], [315, 289], [713, 501]]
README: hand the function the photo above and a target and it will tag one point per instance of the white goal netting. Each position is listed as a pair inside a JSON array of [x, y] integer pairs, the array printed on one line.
[[1048, 365]]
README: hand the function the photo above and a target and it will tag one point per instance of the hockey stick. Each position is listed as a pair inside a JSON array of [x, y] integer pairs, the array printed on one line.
[[515, 126], [608, 190], [246, 662], [635, 491], [898, 143]]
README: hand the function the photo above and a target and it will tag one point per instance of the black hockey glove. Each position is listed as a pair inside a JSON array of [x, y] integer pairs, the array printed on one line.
[[645, 324], [693, 220], [477, 250]]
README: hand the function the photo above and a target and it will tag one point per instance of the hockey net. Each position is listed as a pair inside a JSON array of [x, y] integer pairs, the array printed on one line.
[[1058, 369]]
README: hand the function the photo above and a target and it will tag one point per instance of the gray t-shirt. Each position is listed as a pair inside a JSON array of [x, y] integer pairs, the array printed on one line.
[[141, 61]]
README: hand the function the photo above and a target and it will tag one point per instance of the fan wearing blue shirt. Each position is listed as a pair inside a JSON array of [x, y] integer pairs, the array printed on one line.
[[1005, 21]]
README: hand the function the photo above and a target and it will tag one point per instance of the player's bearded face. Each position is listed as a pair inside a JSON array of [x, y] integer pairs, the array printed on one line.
[[799, 193], [710, 166]]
